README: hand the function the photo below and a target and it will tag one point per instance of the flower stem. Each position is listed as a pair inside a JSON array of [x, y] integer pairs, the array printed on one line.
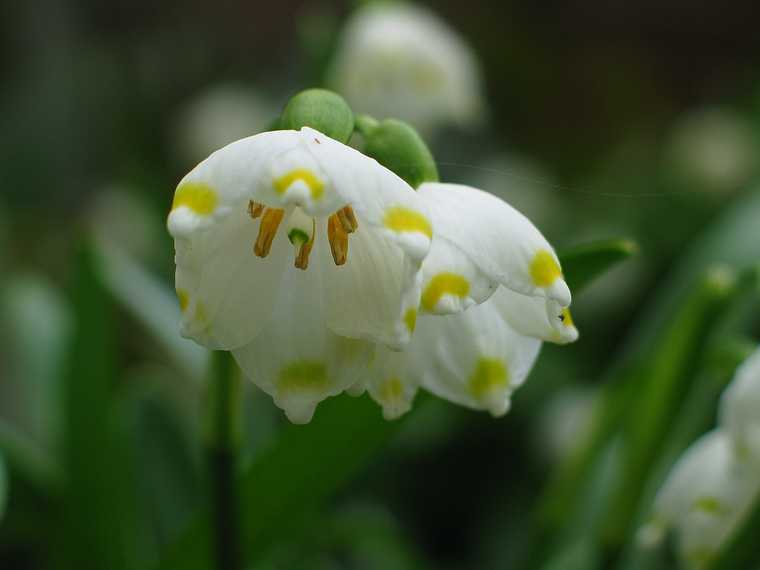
[[224, 400]]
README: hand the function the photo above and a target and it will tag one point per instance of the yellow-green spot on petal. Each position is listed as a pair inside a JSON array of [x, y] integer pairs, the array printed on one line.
[[392, 390], [184, 299], [312, 181], [567, 318], [197, 196], [544, 269], [201, 315], [303, 375], [410, 319], [490, 375], [444, 284], [708, 505], [399, 219]]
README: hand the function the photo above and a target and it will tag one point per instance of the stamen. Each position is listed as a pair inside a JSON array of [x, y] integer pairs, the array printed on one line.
[[338, 240], [302, 257], [348, 219], [267, 230], [255, 209]]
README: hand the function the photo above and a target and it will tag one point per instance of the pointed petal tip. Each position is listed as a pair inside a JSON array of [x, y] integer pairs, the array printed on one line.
[[300, 415]]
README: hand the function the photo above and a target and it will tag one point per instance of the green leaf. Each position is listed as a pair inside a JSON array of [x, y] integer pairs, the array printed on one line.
[[99, 526], [154, 306], [3, 487], [741, 551], [294, 477], [581, 555], [731, 241], [659, 390], [584, 263]]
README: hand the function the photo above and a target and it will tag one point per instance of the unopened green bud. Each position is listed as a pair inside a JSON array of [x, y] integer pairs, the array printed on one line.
[[322, 110], [397, 146]]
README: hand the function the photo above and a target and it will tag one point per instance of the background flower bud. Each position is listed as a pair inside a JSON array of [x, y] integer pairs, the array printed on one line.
[[322, 110], [398, 147]]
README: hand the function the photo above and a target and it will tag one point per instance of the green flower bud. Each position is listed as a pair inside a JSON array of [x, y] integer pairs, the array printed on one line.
[[398, 147], [322, 110]]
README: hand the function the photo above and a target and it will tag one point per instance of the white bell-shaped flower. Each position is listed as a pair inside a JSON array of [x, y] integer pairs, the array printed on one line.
[[705, 497], [492, 290], [740, 409], [400, 60], [485, 249], [292, 304]]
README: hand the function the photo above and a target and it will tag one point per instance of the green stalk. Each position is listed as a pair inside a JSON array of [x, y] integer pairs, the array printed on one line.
[[223, 436]]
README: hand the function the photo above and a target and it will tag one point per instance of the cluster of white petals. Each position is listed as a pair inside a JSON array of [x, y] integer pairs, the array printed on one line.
[[322, 271], [397, 59], [716, 481]]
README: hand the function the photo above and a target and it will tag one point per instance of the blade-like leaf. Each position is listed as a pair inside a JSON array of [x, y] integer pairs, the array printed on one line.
[[291, 479], [741, 550], [154, 306], [3, 487], [731, 241], [584, 263], [99, 526]]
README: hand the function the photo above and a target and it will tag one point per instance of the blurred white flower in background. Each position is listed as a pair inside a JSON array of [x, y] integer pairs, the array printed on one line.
[[400, 60], [704, 498], [564, 421], [217, 116], [740, 410], [121, 215], [715, 482], [712, 149], [36, 321], [526, 184]]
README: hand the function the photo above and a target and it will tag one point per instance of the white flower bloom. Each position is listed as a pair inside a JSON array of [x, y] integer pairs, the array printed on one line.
[[400, 60], [704, 498], [740, 409], [713, 149], [499, 288], [216, 117], [295, 332]]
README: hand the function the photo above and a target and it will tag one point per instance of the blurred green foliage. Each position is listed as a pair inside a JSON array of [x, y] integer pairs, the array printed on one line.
[[105, 459]]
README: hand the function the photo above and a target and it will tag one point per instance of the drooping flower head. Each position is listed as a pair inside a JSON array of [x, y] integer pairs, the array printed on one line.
[[291, 246], [311, 261], [492, 291]]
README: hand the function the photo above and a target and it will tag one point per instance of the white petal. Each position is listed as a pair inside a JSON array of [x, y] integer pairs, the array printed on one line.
[[225, 290], [451, 281], [739, 409], [502, 244], [536, 317], [228, 291], [297, 360], [300, 168], [228, 179], [375, 294], [472, 358], [390, 383], [377, 195]]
